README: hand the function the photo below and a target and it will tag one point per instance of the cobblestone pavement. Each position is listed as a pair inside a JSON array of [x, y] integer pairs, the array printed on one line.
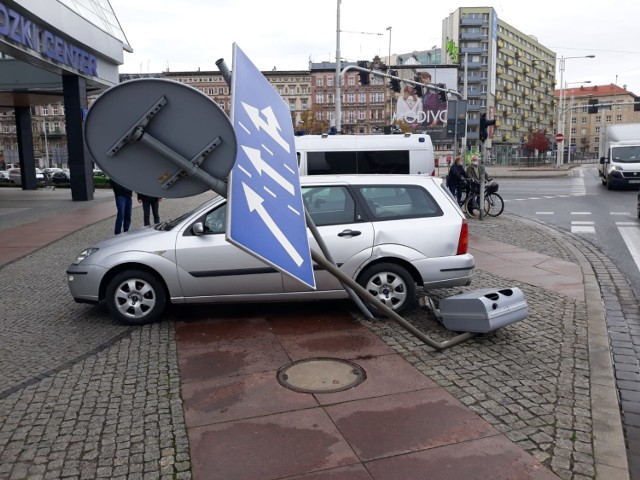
[[83, 397], [532, 380]]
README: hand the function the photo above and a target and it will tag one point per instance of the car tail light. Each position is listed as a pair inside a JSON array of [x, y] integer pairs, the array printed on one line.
[[463, 241]]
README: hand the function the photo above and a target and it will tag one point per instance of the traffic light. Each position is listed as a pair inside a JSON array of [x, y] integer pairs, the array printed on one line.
[[484, 125], [593, 106], [364, 76], [418, 88], [442, 95], [395, 83]]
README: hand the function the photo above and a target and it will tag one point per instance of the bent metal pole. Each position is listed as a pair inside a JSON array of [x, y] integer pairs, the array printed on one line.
[[336, 272]]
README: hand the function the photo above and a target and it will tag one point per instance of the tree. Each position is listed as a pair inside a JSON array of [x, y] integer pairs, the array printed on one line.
[[537, 141], [310, 124]]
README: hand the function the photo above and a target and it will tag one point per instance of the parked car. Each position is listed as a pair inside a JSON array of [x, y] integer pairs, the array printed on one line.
[[388, 233], [60, 177], [14, 176], [4, 176], [51, 170]]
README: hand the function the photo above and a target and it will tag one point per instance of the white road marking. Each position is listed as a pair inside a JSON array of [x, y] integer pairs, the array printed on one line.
[[577, 222], [626, 224], [580, 213], [582, 229], [631, 236], [619, 213], [545, 213]]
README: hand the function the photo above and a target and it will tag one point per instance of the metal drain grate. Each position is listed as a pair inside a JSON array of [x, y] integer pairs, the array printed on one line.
[[321, 375]]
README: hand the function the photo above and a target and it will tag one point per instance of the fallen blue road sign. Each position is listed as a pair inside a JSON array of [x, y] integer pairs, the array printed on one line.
[[266, 213]]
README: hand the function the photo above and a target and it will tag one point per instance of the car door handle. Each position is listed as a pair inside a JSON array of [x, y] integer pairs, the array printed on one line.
[[349, 233]]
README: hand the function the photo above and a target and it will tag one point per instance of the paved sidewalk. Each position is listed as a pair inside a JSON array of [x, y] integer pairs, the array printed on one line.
[[535, 400]]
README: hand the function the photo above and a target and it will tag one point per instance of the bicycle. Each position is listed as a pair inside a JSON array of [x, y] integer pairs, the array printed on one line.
[[470, 202], [493, 200]]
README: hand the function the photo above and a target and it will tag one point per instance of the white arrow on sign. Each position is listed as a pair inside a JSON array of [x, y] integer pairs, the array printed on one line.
[[271, 126], [261, 166], [255, 204]]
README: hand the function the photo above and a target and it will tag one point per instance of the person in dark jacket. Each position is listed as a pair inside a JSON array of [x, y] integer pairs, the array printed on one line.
[[123, 205], [455, 178], [149, 204]]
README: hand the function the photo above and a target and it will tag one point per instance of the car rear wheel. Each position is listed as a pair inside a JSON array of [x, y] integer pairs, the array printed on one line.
[[391, 284], [135, 297]]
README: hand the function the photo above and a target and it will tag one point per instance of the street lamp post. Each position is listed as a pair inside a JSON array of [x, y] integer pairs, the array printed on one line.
[[570, 109], [561, 112], [390, 91], [338, 86]]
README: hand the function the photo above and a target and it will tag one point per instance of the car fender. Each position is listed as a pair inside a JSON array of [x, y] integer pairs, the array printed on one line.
[[161, 262]]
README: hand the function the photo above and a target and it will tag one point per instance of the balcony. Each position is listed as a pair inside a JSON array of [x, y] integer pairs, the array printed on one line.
[[471, 36], [52, 134], [471, 22]]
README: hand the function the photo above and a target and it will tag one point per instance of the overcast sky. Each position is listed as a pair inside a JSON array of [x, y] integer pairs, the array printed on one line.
[[284, 34]]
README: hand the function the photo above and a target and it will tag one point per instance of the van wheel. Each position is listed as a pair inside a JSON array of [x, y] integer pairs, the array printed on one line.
[[135, 297], [609, 184], [391, 284]]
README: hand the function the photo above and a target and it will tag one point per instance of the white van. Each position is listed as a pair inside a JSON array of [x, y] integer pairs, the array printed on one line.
[[349, 154]]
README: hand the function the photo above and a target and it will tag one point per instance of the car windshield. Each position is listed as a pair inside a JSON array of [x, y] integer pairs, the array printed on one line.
[[171, 224]]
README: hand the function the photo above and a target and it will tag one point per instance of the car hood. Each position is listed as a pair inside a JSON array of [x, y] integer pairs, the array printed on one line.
[[144, 239]]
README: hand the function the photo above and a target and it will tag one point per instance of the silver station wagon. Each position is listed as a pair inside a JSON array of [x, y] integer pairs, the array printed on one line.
[[389, 233]]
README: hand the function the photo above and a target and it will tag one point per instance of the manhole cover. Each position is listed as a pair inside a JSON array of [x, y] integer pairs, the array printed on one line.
[[321, 375]]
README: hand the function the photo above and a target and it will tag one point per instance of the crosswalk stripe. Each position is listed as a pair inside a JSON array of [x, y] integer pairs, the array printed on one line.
[[631, 237]]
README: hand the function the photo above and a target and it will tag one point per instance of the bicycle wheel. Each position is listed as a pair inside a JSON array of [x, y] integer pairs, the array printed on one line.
[[494, 204], [471, 205]]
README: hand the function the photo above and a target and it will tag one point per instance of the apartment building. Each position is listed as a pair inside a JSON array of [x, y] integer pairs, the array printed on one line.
[[608, 104], [509, 75]]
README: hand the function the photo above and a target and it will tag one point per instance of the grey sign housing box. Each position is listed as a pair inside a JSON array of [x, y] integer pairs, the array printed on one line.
[[482, 311]]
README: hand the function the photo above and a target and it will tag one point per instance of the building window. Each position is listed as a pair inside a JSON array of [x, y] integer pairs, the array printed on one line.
[[292, 105], [351, 81], [45, 111], [618, 118], [597, 130], [318, 116], [598, 119], [608, 119], [330, 98], [362, 116], [55, 109], [362, 97], [304, 104], [351, 98], [319, 82], [319, 98], [329, 81]]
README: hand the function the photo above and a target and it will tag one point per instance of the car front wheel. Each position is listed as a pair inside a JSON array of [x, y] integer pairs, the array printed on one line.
[[392, 285], [135, 297]]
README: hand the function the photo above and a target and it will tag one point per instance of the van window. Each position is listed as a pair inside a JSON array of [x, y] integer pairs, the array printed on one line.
[[350, 162]]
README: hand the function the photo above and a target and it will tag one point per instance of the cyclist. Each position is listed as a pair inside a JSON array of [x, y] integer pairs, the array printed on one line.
[[455, 178], [473, 170]]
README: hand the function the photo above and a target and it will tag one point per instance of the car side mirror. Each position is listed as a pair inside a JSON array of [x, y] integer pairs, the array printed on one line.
[[197, 228], [602, 160]]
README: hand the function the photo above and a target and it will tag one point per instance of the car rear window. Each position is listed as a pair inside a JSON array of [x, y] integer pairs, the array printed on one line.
[[389, 202]]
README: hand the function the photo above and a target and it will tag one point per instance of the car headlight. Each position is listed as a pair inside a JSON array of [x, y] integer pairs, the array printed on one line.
[[84, 254]]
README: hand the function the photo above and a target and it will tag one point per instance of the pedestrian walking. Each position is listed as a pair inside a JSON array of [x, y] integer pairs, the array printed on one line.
[[149, 205], [455, 178], [123, 205]]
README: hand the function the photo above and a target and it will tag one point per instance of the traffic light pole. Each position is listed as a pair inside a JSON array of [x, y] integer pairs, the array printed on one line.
[[379, 73]]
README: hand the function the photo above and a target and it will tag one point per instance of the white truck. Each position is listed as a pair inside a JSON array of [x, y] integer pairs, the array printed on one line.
[[349, 154], [620, 155]]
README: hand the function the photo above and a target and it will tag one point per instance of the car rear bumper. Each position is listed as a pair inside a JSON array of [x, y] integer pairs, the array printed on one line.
[[444, 272]]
